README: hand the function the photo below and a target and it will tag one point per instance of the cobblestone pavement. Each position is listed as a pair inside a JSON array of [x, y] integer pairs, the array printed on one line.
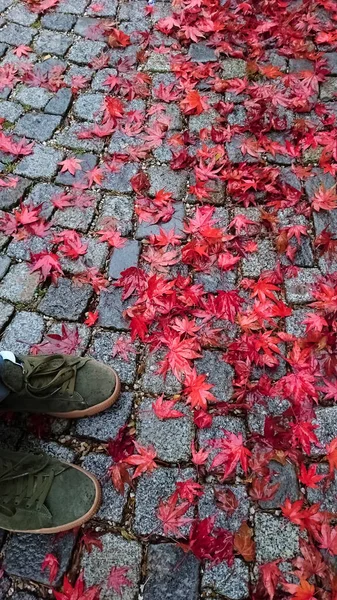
[[270, 115]]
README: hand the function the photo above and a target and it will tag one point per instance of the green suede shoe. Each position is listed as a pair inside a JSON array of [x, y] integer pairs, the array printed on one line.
[[40, 494], [58, 385]]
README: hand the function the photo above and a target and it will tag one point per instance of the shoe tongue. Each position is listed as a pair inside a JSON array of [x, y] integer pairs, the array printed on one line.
[[11, 375]]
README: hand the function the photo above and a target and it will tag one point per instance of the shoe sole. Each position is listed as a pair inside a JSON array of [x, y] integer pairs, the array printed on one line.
[[77, 522], [92, 410]]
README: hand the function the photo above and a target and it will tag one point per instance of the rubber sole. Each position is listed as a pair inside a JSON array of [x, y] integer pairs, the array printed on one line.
[[77, 522], [92, 410]]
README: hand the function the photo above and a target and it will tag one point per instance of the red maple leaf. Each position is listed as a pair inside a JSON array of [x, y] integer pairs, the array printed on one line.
[[51, 563], [71, 244], [309, 476], [271, 575], [91, 318], [172, 515], [91, 539], [232, 452], [189, 490], [48, 264], [53, 343], [193, 103], [22, 50], [197, 389], [71, 164], [78, 591], [164, 409], [144, 460], [117, 579], [118, 39], [325, 199], [226, 500]]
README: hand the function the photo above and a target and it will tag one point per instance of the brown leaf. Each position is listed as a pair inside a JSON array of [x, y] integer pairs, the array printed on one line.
[[243, 542], [226, 501]]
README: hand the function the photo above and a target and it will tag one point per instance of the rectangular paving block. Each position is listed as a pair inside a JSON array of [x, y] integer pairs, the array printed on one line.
[[83, 51], [231, 582], [113, 502], [66, 300], [299, 288], [60, 102], [275, 538], [117, 552], [9, 197], [19, 285], [42, 163], [10, 111], [326, 419], [23, 331], [176, 222], [123, 258], [24, 555], [119, 209], [162, 177], [14, 35], [264, 259], [105, 425], [35, 97], [38, 126], [155, 383], [171, 438], [171, 574], [208, 507], [219, 373], [120, 182], [51, 42], [110, 309], [102, 349]]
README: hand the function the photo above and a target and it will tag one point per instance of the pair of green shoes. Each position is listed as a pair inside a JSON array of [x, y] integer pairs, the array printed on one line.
[[38, 493]]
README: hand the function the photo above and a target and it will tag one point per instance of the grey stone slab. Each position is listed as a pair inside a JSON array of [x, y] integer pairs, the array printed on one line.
[[5, 583], [58, 22], [110, 309], [20, 14], [208, 507], [24, 555], [6, 311], [201, 53], [154, 383], [262, 260], [113, 502], [66, 300], [87, 163], [117, 552], [90, 28], [120, 182], [205, 120], [100, 77], [88, 106], [74, 7], [9, 197], [320, 179], [326, 419], [216, 431], [233, 67], [51, 42], [275, 537], [118, 208], [218, 372], [300, 64], [176, 222], [105, 425], [171, 438], [76, 218], [285, 476], [123, 258], [132, 11], [326, 493], [299, 288], [10, 111], [326, 219], [171, 181], [171, 574], [107, 9], [158, 63], [103, 349], [37, 126], [120, 142], [83, 51], [59, 104], [328, 89], [68, 137], [95, 256], [151, 489], [232, 582], [41, 194], [37, 445], [5, 4], [35, 97], [42, 163], [260, 410], [14, 35], [294, 323], [24, 330], [22, 249], [217, 280], [19, 285], [331, 58]]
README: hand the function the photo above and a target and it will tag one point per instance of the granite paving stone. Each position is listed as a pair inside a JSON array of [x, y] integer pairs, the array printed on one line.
[[103, 349], [110, 309], [41, 194], [89, 106], [172, 181], [117, 552], [261, 260], [14, 34], [42, 163], [23, 331], [326, 419], [207, 506], [113, 502], [66, 300], [24, 554], [9, 197], [145, 229], [171, 573], [68, 138], [19, 285], [285, 476], [151, 489], [216, 431], [22, 249], [49, 42], [171, 438], [299, 288], [35, 97], [58, 22], [218, 372], [83, 52], [87, 162], [118, 208], [120, 182], [124, 258], [155, 383], [275, 538], [6, 311], [37, 126], [10, 111], [77, 218], [59, 103], [105, 425], [232, 582]]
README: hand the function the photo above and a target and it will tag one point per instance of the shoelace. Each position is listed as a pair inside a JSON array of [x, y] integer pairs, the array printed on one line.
[[62, 372], [23, 489]]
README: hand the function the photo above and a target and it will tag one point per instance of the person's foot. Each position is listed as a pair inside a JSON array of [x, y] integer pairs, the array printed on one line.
[[40, 494], [58, 385]]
